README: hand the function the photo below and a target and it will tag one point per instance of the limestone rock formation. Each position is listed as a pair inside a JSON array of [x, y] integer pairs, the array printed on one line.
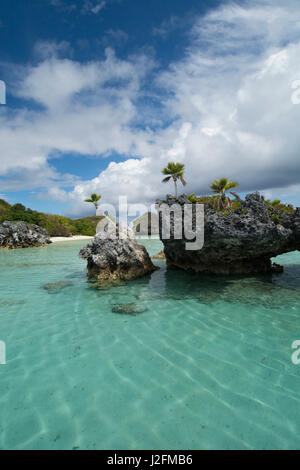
[[22, 235], [240, 242], [116, 258]]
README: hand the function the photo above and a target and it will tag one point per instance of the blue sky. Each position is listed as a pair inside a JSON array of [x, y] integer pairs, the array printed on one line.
[[102, 93]]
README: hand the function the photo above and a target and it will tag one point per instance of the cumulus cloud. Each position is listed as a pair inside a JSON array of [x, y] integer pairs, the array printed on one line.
[[85, 108], [229, 102], [238, 98]]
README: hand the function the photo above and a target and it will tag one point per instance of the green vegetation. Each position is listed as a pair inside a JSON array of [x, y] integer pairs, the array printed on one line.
[[213, 202], [94, 200], [278, 210], [223, 202], [174, 171], [193, 198], [56, 225]]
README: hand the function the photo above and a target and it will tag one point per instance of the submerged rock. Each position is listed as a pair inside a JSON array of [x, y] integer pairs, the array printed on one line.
[[115, 259], [10, 303], [129, 309], [22, 235], [240, 242], [55, 287]]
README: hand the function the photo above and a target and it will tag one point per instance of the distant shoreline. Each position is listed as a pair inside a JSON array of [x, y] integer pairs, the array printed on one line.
[[69, 239], [86, 237]]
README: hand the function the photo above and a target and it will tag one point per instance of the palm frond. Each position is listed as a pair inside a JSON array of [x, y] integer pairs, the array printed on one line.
[[165, 180], [95, 197], [231, 184]]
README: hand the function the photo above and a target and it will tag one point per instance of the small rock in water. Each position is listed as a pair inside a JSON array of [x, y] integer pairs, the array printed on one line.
[[22, 235], [160, 255], [114, 257], [55, 287], [129, 309]]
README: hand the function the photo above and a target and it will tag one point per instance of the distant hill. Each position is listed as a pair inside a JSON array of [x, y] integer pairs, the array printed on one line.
[[56, 225]]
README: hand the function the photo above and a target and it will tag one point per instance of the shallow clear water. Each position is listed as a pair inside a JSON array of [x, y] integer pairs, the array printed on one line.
[[207, 365]]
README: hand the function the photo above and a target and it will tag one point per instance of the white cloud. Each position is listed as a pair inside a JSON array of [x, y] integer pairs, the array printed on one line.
[[229, 101], [87, 108], [233, 107]]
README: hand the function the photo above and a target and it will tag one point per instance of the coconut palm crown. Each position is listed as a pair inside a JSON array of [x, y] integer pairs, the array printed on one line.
[[220, 187], [174, 171], [94, 198]]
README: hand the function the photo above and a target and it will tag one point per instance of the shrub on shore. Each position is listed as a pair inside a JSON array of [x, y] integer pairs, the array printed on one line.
[[56, 225]]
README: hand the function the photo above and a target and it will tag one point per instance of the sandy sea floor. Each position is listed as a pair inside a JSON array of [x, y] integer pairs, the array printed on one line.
[[206, 365]]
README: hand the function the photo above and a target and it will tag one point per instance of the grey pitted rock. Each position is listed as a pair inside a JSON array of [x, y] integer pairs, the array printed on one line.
[[22, 235], [241, 242], [114, 259]]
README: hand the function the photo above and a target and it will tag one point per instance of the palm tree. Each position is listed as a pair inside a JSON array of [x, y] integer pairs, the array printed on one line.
[[174, 171], [94, 198], [220, 187]]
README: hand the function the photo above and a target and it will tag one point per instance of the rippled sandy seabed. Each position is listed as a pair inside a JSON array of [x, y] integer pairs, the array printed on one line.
[[207, 365]]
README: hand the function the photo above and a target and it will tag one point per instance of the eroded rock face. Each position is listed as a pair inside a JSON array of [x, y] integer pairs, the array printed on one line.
[[22, 235], [116, 259], [241, 242]]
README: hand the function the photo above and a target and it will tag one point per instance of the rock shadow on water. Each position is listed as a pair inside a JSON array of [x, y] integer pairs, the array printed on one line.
[[56, 287], [267, 290]]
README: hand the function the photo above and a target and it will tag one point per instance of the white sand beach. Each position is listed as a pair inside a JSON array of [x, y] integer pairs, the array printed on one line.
[[69, 239]]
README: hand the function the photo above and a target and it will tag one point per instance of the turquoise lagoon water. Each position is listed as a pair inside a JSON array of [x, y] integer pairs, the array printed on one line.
[[207, 365]]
